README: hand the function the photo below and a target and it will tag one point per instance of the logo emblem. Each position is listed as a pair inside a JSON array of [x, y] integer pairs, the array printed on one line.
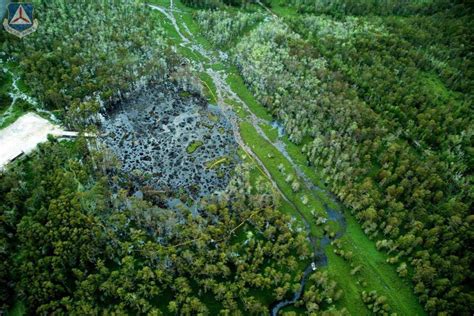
[[20, 20]]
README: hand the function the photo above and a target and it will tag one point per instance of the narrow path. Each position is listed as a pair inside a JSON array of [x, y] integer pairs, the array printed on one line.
[[169, 14]]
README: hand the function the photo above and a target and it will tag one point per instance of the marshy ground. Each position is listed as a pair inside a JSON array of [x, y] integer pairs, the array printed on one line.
[[173, 139]]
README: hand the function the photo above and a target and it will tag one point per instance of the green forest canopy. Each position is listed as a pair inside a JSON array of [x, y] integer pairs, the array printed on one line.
[[382, 103]]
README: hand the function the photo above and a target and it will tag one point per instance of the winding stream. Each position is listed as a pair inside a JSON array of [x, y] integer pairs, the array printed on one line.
[[319, 258], [15, 93]]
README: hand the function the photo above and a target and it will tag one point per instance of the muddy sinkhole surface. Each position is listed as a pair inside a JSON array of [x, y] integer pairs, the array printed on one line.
[[173, 140]]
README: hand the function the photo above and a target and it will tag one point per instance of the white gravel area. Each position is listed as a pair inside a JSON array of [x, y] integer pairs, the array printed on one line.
[[23, 135]]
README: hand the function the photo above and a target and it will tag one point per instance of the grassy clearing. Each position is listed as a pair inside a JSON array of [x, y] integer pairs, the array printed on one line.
[[237, 85], [164, 3], [218, 67], [191, 55], [238, 108], [193, 146], [214, 164], [272, 158], [271, 132], [210, 90], [281, 9], [433, 85], [213, 117]]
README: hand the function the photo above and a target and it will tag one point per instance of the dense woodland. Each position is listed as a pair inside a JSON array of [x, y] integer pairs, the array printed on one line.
[[78, 62], [383, 8], [71, 245], [382, 105], [4, 97], [224, 27]]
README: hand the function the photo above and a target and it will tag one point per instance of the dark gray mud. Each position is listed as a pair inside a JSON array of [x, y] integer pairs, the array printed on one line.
[[171, 140]]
